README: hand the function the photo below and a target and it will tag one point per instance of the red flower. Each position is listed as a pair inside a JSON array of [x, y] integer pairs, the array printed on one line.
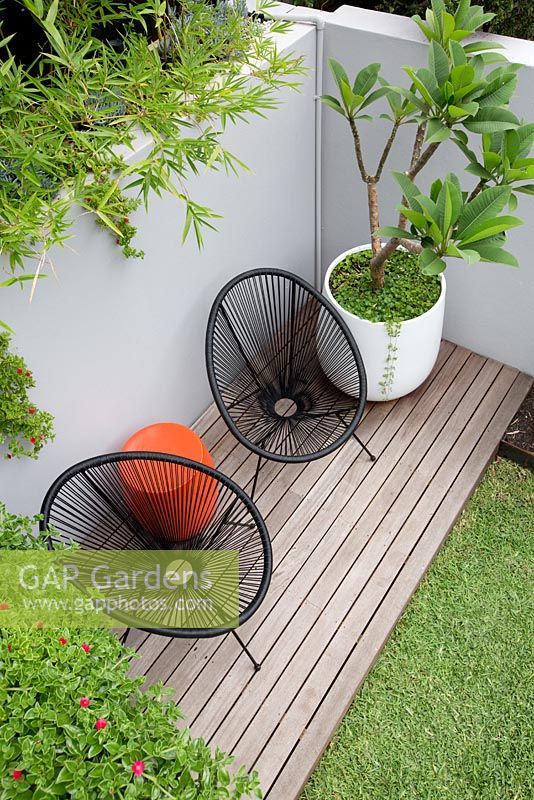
[[9, 648], [19, 371], [85, 702], [62, 640], [17, 774], [31, 410], [4, 606], [126, 219], [100, 724], [138, 767], [28, 374], [33, 439], [86, 647]]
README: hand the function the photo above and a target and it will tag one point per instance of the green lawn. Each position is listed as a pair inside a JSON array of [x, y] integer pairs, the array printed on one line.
[[448, 711]]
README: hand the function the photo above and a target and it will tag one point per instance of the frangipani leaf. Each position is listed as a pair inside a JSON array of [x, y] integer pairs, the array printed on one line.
[[497, 255], [430, 263], [487, 205], [438, 63], [328, 100], [338, 72], [391, 231], [436, 131], [490, 228], [366, 79], [491, 119]]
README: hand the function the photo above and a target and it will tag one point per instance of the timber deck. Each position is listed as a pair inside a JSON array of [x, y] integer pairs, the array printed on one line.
[[351, 541]]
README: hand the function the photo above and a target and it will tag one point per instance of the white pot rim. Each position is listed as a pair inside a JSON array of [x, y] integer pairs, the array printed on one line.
[[350, 251]]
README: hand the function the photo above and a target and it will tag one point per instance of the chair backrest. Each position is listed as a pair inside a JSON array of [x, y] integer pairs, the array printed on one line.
[[267, 327], [154, 501]]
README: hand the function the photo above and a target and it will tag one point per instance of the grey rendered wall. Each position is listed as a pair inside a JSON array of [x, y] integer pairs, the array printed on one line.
[[116, 345], [490, 308]]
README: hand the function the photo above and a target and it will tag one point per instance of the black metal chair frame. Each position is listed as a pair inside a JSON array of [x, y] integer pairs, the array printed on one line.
[[218, 313], [66, 479]]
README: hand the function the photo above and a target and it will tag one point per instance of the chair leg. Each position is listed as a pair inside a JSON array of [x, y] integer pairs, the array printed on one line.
[[371, 456], [124, 636], [255, 481], [257, 666]]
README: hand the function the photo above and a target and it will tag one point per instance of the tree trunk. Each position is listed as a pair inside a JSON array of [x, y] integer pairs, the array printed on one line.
[[377, 274]]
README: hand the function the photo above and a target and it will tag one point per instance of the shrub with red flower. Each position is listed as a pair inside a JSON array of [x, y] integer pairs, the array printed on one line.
[[24, 429], [103, 734], [80, 727]]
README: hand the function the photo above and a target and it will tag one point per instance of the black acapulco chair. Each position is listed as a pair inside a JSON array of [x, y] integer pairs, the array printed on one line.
[[130, 501], [284, 369]]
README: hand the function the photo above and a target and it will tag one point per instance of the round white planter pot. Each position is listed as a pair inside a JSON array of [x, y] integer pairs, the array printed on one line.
[[417, 344]]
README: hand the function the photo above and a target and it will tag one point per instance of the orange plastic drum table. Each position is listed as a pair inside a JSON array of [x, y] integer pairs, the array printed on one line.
[[173, 506]]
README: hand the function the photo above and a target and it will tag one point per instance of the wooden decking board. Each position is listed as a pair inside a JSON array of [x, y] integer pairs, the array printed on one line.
[[289, 576], [195, 690], [381, 561], [197, 660], [351, 541], [330, 621], [294, 772], [332, 561], [185, 674]]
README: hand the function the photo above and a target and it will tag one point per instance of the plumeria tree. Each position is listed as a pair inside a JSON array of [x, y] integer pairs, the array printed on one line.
[[465, 89]]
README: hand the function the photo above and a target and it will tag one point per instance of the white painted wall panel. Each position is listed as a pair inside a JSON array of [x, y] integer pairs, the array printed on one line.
[[117, 344]]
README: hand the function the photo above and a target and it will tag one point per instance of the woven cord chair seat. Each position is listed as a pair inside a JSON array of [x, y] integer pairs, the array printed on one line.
[[284, 370], [152, 501]]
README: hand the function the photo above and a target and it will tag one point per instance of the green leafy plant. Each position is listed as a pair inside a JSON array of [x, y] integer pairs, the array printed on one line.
[[24, 429], [18, 532], [510, 17], [110, 74], [72, 724], [459, 91]]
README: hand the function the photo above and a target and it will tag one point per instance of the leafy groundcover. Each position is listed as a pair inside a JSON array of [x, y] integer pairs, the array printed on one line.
[[73, 725]]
